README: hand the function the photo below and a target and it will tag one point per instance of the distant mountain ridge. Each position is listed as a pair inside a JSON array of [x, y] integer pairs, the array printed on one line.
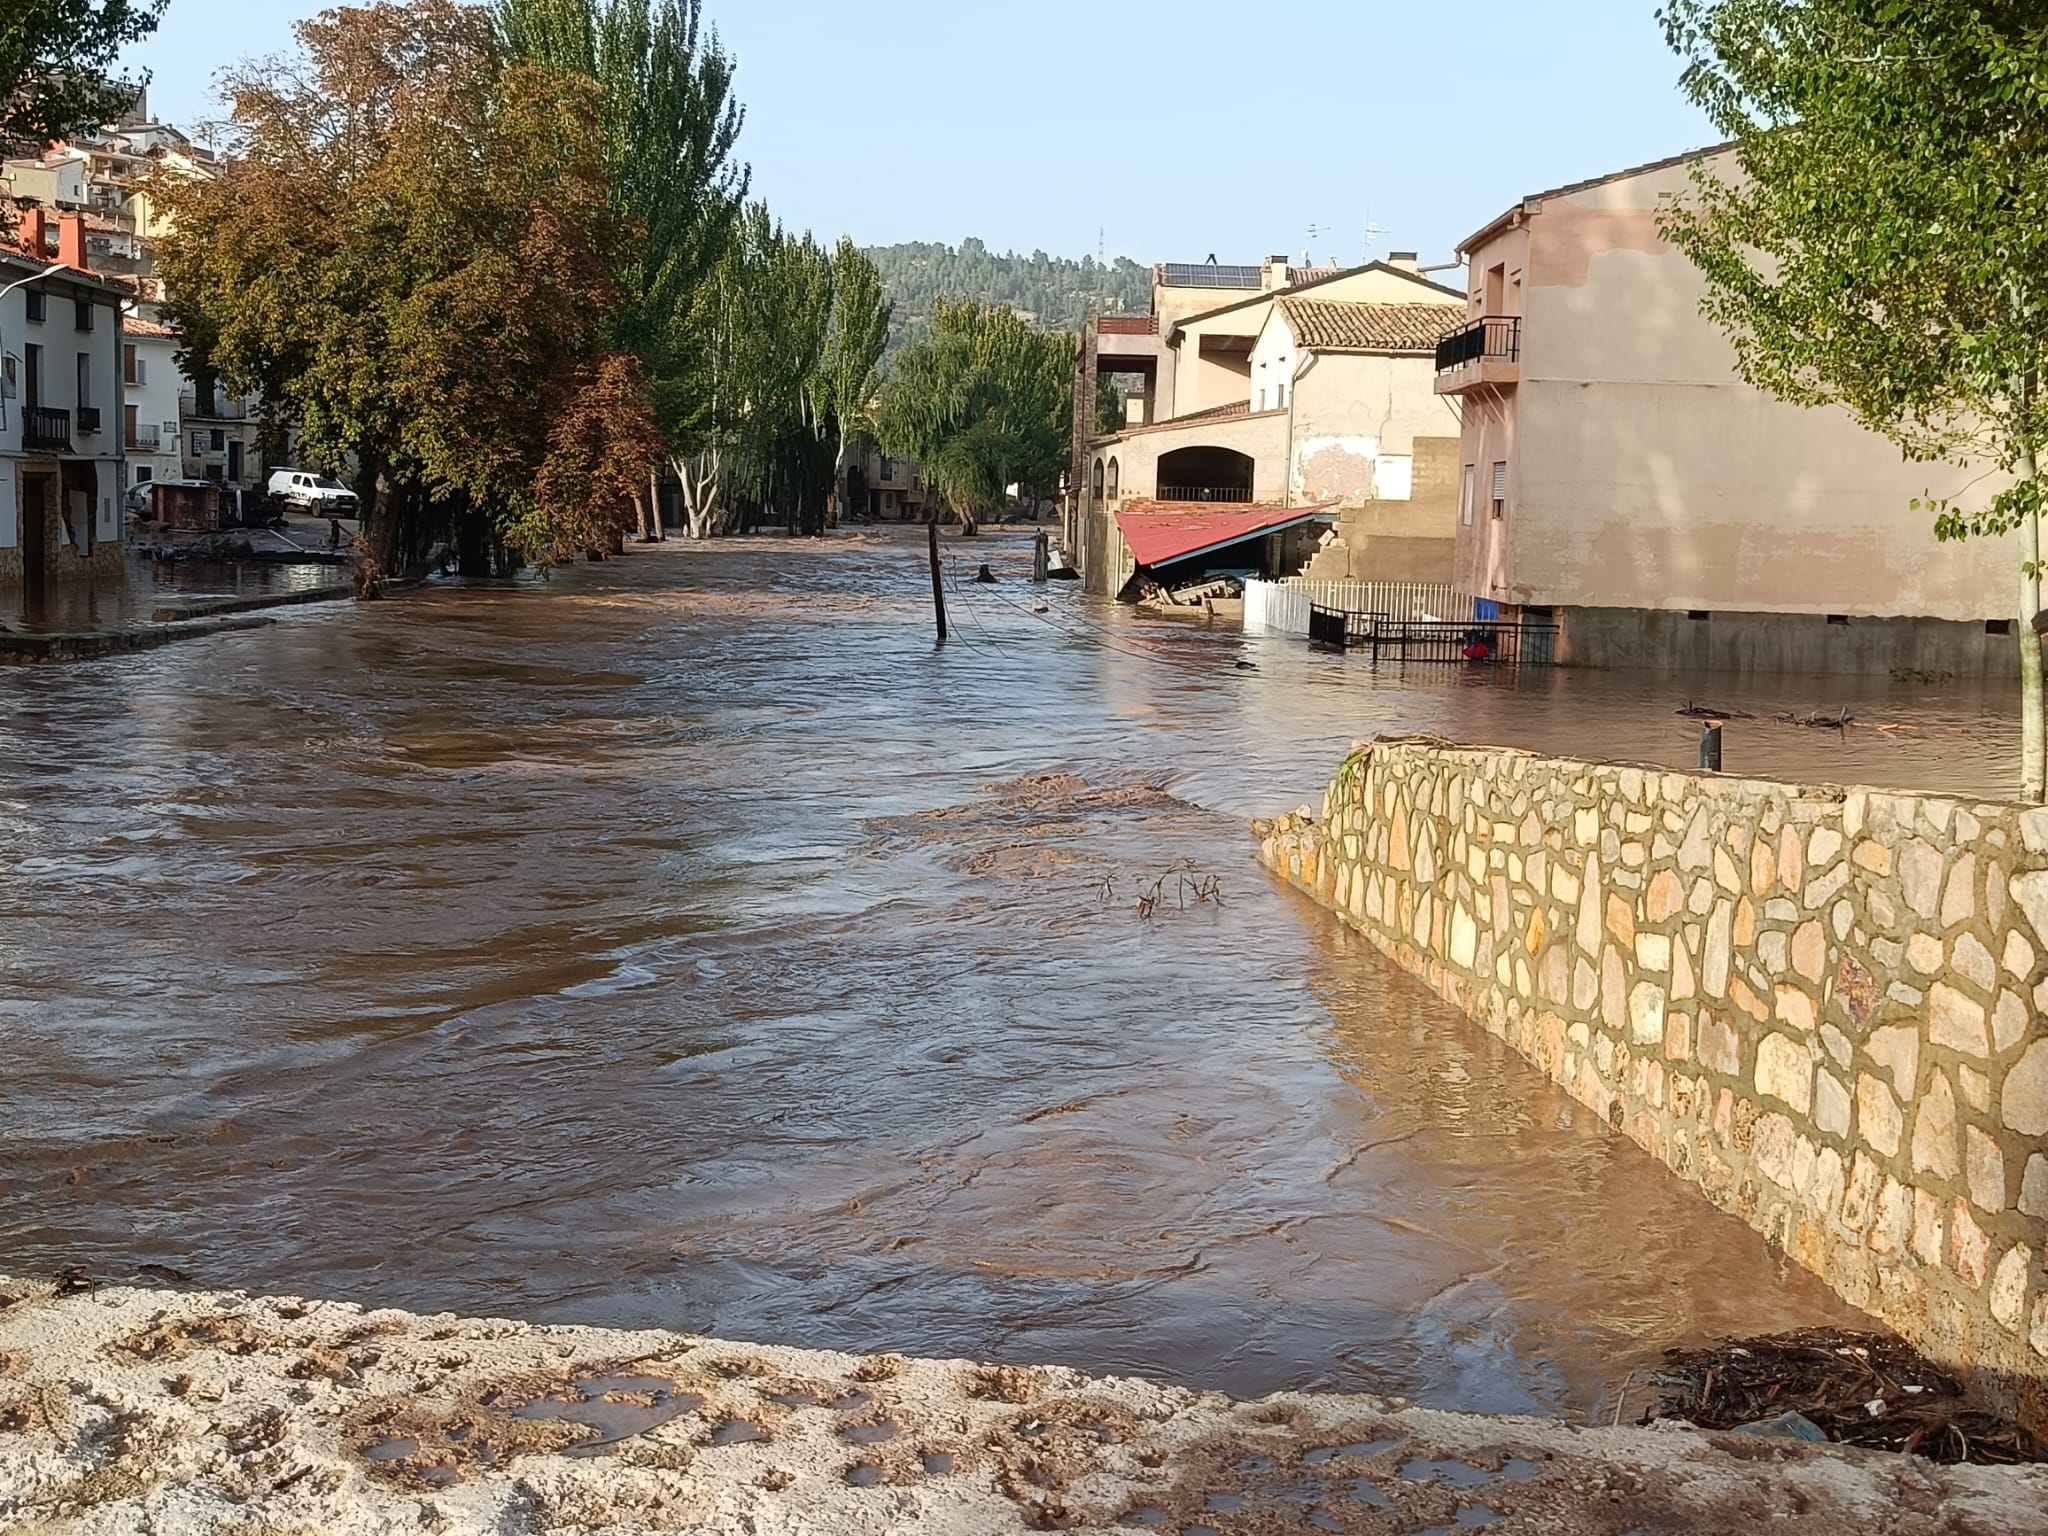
[[1056, 291]]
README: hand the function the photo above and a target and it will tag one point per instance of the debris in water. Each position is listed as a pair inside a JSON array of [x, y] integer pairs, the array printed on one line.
[[1866, 1390], [1819, 721], [1692, 711]]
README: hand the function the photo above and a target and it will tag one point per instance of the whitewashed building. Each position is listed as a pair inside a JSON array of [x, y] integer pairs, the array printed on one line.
[[61, 411]]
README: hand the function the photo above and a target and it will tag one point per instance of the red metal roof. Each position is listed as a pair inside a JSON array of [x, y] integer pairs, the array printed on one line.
[[1161, 532]]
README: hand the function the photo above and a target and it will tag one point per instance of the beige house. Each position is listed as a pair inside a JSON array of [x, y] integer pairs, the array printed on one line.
[[896, 489], [1317, 393], [1616, 473]]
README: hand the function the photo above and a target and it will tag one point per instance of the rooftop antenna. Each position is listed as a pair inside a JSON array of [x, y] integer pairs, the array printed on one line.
[[1373, 234], [1315, 233]]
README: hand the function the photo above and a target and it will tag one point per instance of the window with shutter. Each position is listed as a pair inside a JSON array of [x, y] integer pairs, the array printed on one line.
[[1465, 505], [1500, 491]]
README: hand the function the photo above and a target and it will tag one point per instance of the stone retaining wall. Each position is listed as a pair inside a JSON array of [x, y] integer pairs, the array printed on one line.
[[1824, 1007]]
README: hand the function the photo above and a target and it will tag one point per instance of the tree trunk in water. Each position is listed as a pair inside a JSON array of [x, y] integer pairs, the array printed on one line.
[[2033, 716], [376, 525]]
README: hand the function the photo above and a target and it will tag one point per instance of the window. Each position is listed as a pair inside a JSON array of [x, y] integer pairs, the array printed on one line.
[[217, 440], [83, 309], [1500, 491], [85, 381], [1115, 477], [144, 474], [1465, 506], [38, 305], [131, 366], [10, 377], [1097, 482], [1262, 399]]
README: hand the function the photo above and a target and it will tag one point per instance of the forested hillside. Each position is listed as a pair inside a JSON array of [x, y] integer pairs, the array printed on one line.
[[1056, 292]]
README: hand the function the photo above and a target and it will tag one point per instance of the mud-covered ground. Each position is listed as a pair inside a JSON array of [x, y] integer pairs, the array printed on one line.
[[178, 1413]]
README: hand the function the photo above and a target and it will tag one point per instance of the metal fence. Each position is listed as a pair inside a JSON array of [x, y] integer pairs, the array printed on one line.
[[1480, 642], [1222, 494], [1282, 607]]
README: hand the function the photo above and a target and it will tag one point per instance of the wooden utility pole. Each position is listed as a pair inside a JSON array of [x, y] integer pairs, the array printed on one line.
[[938, 586]]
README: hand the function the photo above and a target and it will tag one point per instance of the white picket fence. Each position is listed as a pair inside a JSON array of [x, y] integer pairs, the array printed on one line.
[[1281, 607]]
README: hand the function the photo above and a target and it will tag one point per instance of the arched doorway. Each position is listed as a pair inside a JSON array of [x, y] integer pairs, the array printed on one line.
[[1097, 482], [1115, 478], [1205, 474]]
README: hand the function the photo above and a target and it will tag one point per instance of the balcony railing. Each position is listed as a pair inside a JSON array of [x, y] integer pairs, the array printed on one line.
[[1127, 325], [219, 408], [46, 431], [149, 438], [1497, 338], [1228, 494]]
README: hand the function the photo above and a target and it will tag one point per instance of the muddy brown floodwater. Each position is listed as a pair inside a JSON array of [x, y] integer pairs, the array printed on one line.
[[686, 942]]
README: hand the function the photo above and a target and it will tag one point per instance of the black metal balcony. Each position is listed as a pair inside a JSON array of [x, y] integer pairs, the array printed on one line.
[[45, 431], [1496, 338]]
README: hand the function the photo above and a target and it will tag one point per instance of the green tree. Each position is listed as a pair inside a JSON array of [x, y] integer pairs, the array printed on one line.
[[982, 403], [850, 372], [409, 252], [1885, 245], [54, 61], [671, 126]]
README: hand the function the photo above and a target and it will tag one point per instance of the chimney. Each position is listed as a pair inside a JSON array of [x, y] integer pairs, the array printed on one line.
[[1405, 261], [1273, 274], [35, 226], [71, 240]]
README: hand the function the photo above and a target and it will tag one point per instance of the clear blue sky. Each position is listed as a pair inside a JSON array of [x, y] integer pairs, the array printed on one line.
[[1168, 131]]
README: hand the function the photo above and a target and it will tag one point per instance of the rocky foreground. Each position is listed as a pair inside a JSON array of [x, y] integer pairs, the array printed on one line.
[[135, 1412]]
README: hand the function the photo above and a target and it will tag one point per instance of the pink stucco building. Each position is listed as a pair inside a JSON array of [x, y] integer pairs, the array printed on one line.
[[1616, 472]]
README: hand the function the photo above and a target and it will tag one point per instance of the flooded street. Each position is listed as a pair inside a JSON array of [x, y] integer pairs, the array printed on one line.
[[685, 943], [152, 585]]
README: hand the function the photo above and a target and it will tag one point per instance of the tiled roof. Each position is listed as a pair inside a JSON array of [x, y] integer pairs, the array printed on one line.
[[136, 326], [1302, 285], [1327, 326], [1236, 410]]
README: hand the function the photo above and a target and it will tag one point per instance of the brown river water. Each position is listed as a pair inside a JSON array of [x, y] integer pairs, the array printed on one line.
[[674, 944]]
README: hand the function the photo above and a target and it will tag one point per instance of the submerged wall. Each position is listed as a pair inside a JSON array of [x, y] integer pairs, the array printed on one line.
[[1821, 1006]]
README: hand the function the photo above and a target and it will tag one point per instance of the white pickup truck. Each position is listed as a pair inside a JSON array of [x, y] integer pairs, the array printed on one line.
[[321, 495]]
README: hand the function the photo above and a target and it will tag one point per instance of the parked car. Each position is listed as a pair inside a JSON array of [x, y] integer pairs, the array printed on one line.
[[320, 495]]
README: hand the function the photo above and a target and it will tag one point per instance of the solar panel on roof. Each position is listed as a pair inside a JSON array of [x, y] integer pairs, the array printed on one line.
[[1188, 274]]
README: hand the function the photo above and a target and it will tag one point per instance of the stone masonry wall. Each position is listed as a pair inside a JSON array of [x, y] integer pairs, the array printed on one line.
[[1822, 1006]]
